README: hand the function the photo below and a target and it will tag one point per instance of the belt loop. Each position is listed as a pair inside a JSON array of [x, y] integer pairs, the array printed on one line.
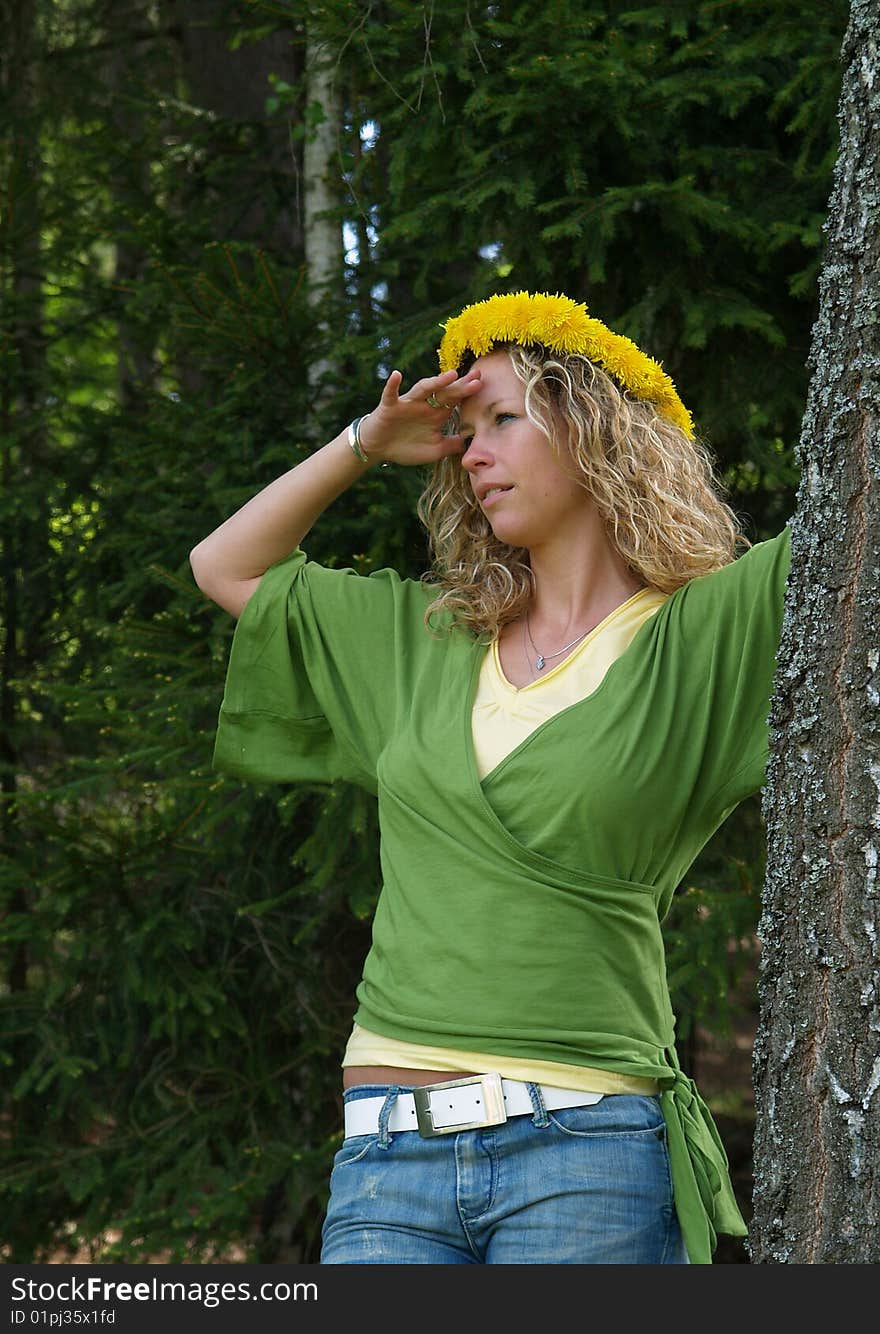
[[540, 1118], [384, 1116]]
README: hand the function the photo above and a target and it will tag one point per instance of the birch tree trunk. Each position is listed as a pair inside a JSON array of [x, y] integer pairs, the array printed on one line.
[[817, 1054], [323, 234]]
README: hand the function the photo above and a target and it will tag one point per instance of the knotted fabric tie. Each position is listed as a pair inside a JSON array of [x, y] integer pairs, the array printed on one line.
[[704, 1198]]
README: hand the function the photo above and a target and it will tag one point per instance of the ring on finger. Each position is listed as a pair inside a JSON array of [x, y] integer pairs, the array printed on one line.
[[433, 402]]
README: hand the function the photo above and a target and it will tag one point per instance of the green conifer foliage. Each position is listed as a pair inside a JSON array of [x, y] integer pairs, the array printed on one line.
[[179, 952]]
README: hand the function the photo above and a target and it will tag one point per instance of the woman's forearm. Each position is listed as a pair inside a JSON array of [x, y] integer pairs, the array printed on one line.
[[230, 562], [404, 428]]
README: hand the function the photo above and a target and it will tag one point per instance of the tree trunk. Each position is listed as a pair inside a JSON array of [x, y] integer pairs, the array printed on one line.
[[233, 86], [817, 1054], [323, 233], [25, 611], [251, 163], [130, 188]]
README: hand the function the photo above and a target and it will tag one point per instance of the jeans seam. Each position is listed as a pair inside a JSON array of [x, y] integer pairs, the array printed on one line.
[[361, 1154], [640, 1131], [461, 1218], [673, 1225]]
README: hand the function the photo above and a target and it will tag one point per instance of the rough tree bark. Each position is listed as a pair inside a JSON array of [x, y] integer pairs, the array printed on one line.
[[817, 1055]]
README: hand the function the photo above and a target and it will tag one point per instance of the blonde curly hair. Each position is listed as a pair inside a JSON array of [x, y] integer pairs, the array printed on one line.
[[654, 488]]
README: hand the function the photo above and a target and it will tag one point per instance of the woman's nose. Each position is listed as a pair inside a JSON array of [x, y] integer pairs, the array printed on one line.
[[475, 455]]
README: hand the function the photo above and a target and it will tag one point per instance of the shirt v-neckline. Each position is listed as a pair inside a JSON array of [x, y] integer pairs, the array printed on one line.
[[477, 659], [521, 851], [581, 647]]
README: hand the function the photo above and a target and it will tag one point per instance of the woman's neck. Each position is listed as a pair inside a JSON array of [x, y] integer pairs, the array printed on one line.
[[573, 593]]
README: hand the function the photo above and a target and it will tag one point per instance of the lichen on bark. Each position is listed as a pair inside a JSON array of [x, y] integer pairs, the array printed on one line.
[[817, 1052]]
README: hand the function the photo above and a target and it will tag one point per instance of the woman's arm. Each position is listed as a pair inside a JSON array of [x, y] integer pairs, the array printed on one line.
[[229, 564]]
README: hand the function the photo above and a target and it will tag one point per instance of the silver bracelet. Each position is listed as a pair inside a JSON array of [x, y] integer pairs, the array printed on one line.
[[354, 439]]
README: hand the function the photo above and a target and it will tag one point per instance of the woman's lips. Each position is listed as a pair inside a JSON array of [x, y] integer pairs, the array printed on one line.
[[492, 496]]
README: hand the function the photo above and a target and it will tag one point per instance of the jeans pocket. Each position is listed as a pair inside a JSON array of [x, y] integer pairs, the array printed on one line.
[[625, 1148], [353, 1149], [617, 1115]]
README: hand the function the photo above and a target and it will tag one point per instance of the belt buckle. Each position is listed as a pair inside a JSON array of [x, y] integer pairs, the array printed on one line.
[[493, 1102]]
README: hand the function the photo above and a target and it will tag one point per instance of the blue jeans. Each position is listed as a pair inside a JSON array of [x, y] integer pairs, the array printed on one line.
[[583, 1185]]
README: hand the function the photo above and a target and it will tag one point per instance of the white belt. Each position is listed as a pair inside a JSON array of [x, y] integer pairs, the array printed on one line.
[[460, 1104]]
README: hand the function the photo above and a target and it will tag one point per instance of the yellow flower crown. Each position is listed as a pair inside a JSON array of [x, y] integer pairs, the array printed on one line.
[[563, 326]]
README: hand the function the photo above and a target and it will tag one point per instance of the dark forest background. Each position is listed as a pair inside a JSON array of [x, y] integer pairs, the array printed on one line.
[[179, 952]]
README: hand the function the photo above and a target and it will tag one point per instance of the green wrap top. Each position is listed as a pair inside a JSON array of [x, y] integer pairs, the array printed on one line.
[[521, 914]]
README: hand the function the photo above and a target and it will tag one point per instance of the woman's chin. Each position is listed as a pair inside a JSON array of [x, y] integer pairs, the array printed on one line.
[[513, 534]]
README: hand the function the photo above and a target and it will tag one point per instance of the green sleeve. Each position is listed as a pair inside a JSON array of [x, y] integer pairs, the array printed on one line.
[[310, 686], [740, 608]]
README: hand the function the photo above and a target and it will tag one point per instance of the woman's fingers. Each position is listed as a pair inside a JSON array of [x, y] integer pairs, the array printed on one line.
[[422, 389], [411, 425], [442, 387], [390, 388]]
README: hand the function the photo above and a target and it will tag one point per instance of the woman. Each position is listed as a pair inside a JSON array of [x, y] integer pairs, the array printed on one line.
[[554, 726]]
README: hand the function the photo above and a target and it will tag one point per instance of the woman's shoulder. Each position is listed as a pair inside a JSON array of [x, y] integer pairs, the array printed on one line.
[[758, 563], [345, 580], [742, 598]]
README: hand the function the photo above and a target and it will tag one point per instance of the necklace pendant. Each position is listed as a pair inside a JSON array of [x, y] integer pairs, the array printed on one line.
[[540, 663]]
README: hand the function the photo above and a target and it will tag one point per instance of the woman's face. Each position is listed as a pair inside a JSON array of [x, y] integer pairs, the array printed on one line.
[[538, 502]]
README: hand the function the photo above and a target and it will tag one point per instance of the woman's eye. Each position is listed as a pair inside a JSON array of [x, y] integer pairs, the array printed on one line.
[[499, 416]]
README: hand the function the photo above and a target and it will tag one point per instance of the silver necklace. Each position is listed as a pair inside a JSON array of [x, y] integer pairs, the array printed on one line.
[[543, 658]]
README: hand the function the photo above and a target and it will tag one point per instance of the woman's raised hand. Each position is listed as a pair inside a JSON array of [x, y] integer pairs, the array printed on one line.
[[408, 428]]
